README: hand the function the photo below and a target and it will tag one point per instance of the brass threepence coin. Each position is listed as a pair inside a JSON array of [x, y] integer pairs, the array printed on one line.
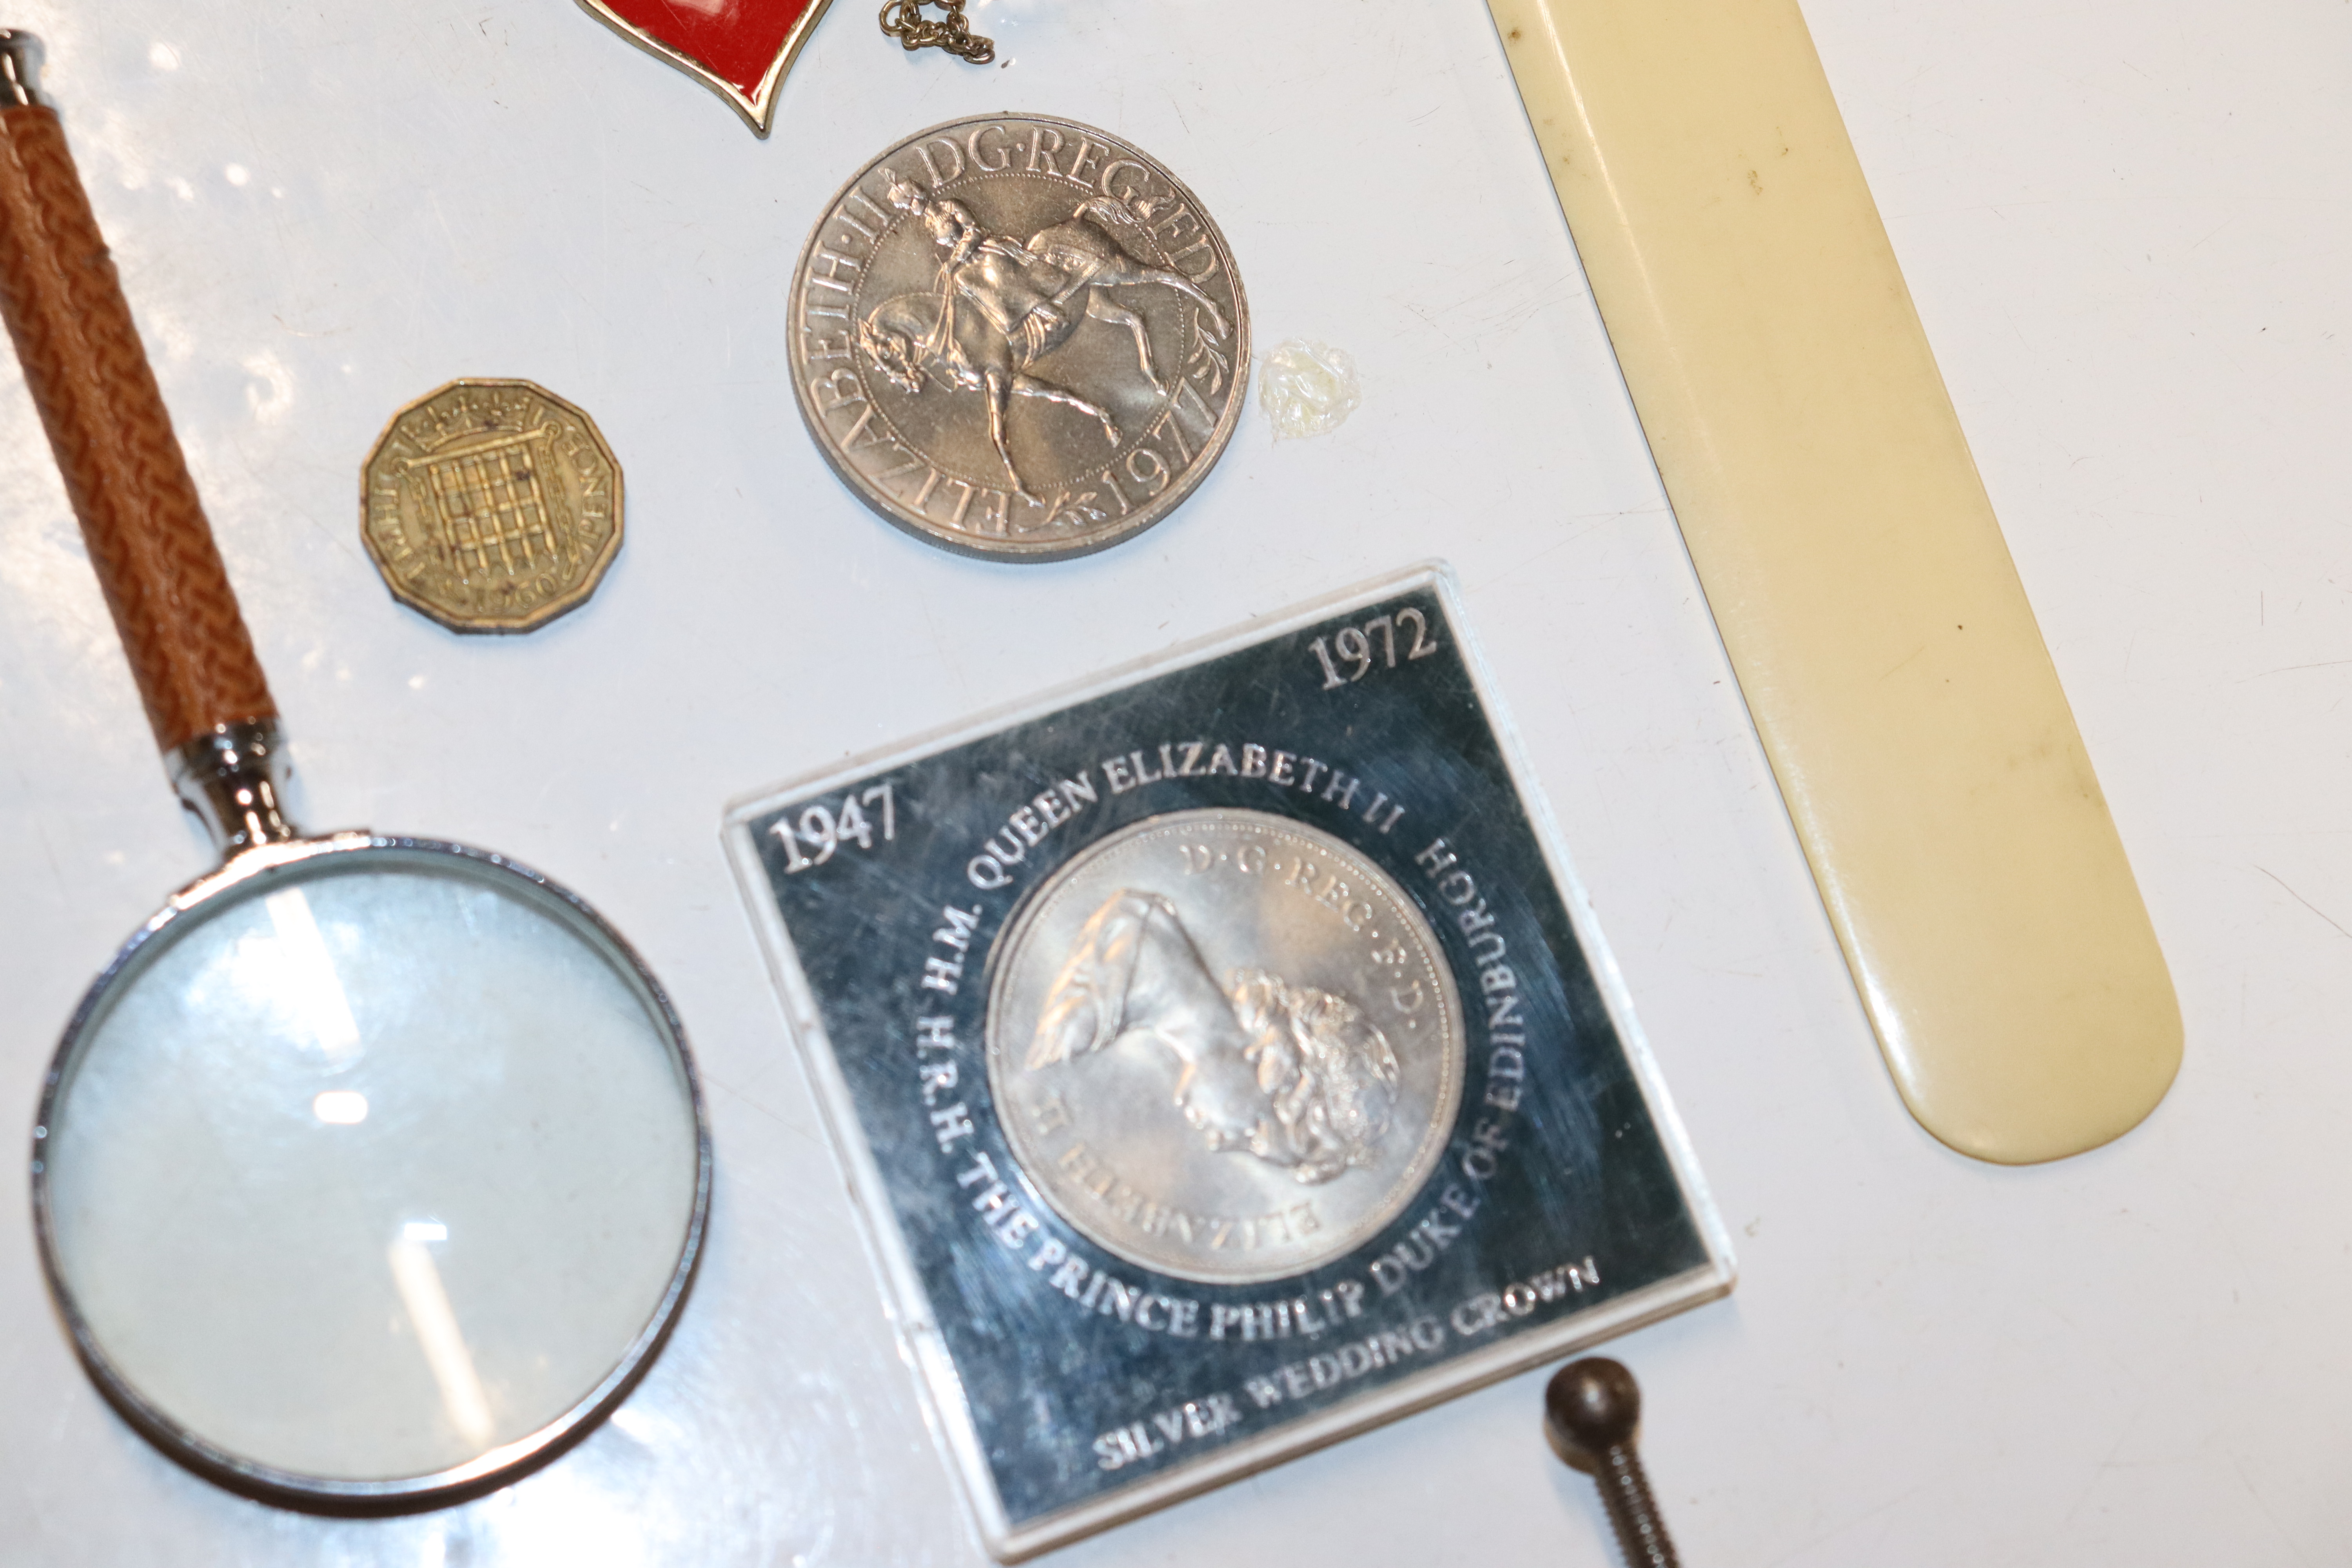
[[1019, 338], [1227, 1045], [492, 506]]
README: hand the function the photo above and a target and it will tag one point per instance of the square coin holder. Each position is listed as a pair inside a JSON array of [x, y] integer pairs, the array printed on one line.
[[1072, 1381]]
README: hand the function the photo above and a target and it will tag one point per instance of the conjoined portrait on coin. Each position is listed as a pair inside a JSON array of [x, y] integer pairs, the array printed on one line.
[[1019, 338], [1227, 1044]]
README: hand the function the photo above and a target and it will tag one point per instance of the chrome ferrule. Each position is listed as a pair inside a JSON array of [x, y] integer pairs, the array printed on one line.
[[20, 61], [232, 778]]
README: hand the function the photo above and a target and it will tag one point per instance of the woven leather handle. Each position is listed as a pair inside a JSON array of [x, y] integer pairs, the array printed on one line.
[[148, 538]]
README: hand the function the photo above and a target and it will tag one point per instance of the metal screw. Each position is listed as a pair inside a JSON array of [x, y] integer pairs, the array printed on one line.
[[1592, 1408]]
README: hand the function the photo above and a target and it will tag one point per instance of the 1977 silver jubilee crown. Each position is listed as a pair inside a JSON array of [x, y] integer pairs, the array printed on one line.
[[1019, 338]]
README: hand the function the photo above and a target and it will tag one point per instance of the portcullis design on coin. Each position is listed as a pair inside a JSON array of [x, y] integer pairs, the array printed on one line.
[[1019, 338], [491, 506], [1224, 1059]]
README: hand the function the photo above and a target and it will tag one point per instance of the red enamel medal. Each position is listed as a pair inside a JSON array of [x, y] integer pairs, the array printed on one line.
[[740, 49]]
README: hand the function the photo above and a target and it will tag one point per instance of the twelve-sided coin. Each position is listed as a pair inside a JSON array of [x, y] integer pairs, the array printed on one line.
[[491, 506]]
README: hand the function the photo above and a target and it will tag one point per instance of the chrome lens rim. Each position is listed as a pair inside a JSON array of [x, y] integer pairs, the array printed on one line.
[[244, 875]]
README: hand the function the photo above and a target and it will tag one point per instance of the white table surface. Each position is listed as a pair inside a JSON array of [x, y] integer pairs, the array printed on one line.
[[2128, 231]]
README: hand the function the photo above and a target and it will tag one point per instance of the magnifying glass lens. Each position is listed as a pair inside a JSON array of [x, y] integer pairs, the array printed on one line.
[[364, 1171]]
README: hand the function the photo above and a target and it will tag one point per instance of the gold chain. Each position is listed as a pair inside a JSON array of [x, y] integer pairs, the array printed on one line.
[[904, 20]]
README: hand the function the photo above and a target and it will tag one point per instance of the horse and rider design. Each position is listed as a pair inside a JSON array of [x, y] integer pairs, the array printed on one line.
[[1000, 305]]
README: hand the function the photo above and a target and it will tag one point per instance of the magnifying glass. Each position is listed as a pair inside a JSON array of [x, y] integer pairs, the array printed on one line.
[[372, 1170]]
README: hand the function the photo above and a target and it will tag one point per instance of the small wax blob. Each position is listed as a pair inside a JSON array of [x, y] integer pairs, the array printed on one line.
[[1308, 389]]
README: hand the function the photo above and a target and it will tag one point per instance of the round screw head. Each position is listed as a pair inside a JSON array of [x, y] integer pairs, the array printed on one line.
[[1592, 1406]]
